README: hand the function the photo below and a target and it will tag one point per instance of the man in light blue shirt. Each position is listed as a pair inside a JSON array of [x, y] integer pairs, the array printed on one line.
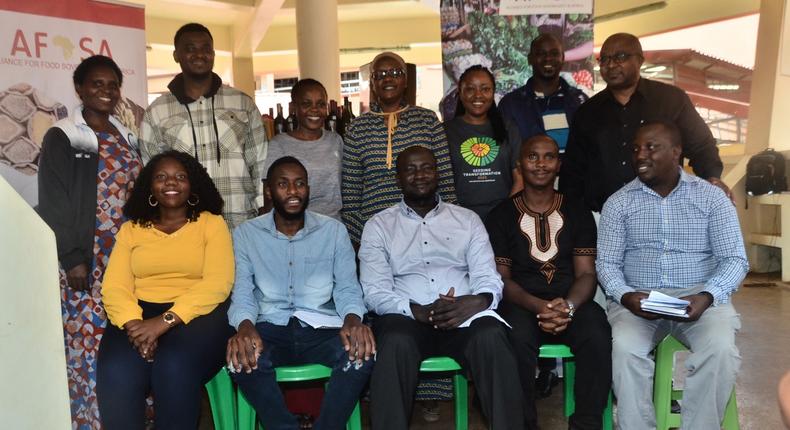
[[427, 269], [295, 273], [677, 234]]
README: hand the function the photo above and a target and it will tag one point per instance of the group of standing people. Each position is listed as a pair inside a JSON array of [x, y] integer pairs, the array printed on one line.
[[465, 249]]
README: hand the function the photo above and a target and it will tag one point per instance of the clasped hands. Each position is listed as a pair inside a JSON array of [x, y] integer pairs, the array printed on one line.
[[144, 334], [448, 311], [554, 316]]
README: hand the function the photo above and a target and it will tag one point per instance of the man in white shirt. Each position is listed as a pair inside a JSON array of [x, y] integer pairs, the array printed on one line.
[[426, 268]]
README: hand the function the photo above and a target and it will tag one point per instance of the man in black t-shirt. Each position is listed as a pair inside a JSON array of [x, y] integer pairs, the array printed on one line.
[[544, 246]]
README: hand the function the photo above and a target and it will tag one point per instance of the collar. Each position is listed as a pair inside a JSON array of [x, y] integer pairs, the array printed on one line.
[[685, 178], [311, 224], [374, 107], [529, 88], [641, 88], [409, 212], [176, 87]]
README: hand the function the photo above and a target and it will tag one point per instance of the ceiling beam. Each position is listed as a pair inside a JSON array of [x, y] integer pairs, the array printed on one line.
[[249, 33]]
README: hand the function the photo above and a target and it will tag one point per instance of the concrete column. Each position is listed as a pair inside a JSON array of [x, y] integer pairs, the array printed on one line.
[[318, 43], [243, 75]]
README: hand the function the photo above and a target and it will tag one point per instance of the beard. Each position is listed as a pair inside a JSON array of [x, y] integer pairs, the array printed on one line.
[[279, 207]]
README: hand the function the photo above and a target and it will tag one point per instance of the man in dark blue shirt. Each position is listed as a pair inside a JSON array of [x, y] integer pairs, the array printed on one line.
[[546, 104]]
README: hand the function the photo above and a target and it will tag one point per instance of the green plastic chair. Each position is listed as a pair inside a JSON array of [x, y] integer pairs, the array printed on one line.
[[664, 393], [307, 372], [222, 396], [460, 386], [569, 372]]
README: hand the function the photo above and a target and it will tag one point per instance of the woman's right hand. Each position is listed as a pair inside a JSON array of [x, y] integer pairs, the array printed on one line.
[[77, 277], [145, 348]]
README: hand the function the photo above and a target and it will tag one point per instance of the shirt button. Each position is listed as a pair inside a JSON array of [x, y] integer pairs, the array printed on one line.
[[624, 143], [423, 223], [291, 287], [290, 263], [427, 262], [431, 279], [425, 243], [623, 163]]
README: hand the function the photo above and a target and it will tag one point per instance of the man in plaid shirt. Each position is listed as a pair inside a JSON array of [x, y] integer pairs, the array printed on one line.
[[219, 125], [678, 234]]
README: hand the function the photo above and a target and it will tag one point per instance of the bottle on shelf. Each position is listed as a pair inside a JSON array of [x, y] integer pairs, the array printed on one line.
[[347, 110], [331, 118], [290, 122], [341, 122], [268, 123], [279, 120]]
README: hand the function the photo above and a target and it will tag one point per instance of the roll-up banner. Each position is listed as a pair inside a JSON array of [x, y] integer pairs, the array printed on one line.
[[41, 43], [497, 35]]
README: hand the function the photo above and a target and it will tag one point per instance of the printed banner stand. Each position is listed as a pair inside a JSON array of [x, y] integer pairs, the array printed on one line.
[[41, 42]]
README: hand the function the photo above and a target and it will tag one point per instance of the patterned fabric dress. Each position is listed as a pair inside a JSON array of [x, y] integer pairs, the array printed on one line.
[[83, 314]]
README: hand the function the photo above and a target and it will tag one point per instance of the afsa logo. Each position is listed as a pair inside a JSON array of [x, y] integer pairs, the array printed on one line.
[[40, 42]]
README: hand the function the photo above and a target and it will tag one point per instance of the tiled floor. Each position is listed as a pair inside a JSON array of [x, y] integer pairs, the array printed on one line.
[[764, 341]]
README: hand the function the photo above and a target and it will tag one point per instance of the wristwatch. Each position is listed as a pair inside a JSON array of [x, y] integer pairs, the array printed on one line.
[[169, 318], [571, 308]]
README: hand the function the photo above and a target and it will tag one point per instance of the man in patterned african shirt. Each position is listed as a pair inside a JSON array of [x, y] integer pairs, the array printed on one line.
[[544, 245]]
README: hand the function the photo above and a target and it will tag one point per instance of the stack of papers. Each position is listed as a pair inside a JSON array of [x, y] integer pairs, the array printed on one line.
[[660, 303]]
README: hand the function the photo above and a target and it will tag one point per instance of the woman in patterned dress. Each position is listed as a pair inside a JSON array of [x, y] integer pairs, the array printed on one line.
[[88, 165]]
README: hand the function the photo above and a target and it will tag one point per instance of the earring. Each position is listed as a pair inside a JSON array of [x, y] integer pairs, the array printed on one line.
[[197, 197], [153, 203]]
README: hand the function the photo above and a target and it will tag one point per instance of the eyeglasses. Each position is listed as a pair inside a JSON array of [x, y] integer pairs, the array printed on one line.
[[381, 74], [618, 58]]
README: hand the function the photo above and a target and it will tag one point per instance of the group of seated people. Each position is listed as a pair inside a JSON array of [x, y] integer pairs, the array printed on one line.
[[395, 271]]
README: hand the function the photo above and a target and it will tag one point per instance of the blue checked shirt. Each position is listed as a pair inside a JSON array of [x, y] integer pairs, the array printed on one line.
[[277, 275], [689, 238]]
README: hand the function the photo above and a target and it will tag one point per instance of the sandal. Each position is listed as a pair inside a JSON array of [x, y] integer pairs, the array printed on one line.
[[305, 421]]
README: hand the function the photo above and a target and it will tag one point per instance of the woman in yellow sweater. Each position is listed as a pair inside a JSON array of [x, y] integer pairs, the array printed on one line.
[[166, 295]]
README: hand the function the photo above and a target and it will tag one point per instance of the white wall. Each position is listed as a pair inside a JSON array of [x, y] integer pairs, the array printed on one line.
[[33, 387]]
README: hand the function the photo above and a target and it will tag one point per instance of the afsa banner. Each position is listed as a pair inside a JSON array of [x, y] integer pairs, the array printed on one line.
[[41, 43]]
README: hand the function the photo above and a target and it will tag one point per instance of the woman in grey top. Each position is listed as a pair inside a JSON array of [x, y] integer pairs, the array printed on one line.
[[320, 150]]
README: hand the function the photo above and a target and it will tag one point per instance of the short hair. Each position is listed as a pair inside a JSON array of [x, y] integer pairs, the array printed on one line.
[[628, 38], [672, 130], [530, 140], [192, 27], [283, 161], [139, 211], [87, 65], [409, 150], [543, 36], [302, 85]]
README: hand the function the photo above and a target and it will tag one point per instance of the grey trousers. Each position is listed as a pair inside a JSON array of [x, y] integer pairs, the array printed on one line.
[[711, 367]]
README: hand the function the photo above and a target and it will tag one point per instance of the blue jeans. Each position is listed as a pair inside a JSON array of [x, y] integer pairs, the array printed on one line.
[[294, 345]]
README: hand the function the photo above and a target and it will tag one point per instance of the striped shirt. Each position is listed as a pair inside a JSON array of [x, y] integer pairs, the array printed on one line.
[[689, 238], [368, 185], [170, 124]]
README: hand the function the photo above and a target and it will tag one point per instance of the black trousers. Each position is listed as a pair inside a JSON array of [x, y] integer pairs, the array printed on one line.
[[483, 349], [590, 339], [187, 357]]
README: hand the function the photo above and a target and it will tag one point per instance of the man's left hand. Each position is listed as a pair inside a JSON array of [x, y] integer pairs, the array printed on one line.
[[357, 338], [699, 303], [449, 314], [719, 183]]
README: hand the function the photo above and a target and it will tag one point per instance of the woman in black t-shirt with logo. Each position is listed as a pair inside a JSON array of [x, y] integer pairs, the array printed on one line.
[[482, 150]]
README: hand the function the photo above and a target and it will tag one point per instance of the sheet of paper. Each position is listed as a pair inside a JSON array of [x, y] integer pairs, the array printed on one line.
[[485, 313], [656, 297], [318, 320]]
